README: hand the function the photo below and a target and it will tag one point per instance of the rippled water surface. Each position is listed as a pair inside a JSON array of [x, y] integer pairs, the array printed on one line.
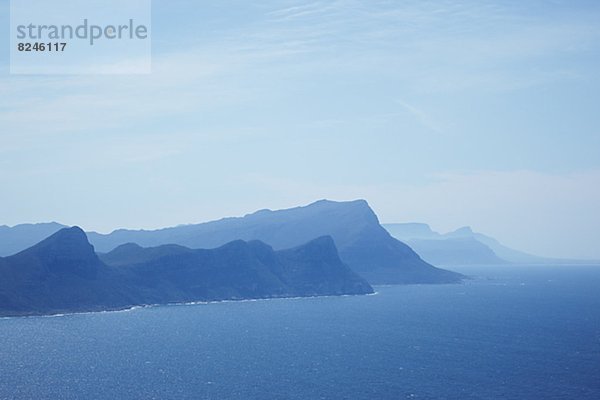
[[510, 333]]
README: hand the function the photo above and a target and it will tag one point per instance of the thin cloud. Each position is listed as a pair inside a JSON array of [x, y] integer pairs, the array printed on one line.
[[311, 9], [424, 118]]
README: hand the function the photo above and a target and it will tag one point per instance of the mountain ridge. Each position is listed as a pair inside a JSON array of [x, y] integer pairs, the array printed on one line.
[[62, 273], [361, 241], [14, 239], [464, 246]]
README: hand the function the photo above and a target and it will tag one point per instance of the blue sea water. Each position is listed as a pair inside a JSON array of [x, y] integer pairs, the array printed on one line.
[[509, 333]]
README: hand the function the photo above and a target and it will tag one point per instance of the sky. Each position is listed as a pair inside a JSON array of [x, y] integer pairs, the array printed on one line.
[[452, 113]]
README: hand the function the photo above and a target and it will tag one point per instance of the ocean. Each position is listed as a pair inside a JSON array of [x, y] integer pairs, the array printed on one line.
[[509, 333]]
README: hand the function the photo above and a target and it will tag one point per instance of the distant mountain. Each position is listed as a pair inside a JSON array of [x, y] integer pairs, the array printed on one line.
[[411, 231], [441, 249], [131, 253], [506, 253], [362, 243], [19, 237], [63, 274], [455, 251], [464, 247]]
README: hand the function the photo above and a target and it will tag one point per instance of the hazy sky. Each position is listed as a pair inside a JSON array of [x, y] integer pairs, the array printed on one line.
[[447, 112]]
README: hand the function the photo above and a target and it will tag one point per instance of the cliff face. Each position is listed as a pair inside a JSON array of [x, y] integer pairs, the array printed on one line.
[[63, 274]]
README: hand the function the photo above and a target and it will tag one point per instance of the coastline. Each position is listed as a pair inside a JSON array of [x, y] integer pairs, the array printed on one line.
[[64, 313]]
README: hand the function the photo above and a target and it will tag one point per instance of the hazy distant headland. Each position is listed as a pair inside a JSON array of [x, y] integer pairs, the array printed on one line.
[[465, 247]]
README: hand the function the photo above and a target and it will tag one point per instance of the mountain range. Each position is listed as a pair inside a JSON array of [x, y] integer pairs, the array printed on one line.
[[19, 237], [463, 247], [62, 273], [362, 242]]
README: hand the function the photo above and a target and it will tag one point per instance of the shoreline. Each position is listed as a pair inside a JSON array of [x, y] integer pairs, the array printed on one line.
[[61, 314]]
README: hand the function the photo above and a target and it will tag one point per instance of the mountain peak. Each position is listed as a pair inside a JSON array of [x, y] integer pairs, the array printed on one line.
[[66, 238], [358, 203], [67, 250], [321, 248], [322, 242], [128, 247], [72, 233], [465, 230]]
